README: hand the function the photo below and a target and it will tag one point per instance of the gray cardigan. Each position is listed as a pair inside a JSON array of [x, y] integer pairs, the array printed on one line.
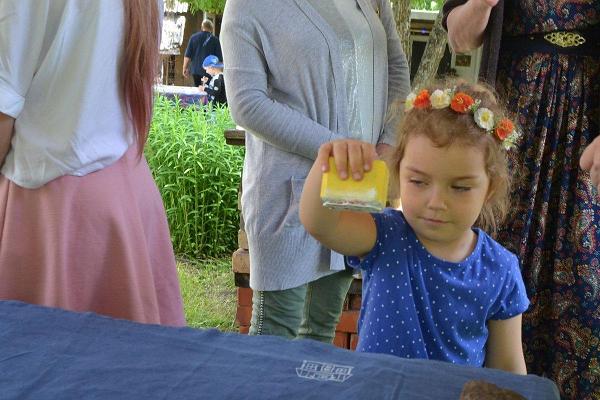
[[285, 86]]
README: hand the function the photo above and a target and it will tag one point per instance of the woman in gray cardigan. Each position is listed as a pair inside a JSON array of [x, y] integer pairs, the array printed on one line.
[[300, 73]]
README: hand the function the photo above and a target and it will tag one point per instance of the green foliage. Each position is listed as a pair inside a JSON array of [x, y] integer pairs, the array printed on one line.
[[209, 295], [210, 6], [431, 5], [198, 175]]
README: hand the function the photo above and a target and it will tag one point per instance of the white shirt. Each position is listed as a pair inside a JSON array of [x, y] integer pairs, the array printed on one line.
[[59, 78]]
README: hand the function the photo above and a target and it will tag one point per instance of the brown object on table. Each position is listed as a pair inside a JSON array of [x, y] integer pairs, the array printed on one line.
[[482, 390]]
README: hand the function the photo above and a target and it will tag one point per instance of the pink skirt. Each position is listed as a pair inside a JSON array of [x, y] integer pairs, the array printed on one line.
[[95, 243]]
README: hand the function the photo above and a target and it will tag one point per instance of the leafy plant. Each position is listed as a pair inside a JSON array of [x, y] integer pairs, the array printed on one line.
[[198, 175], [210, 6], [431, 5]]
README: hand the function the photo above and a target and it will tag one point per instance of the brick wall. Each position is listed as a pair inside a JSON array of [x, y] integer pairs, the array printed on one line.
[[346, 331]]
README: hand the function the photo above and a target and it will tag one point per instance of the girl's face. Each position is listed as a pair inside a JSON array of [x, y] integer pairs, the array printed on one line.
[[442, 191]]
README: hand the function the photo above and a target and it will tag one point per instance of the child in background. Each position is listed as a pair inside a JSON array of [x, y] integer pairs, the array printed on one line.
[[434, 286], [215, 89]]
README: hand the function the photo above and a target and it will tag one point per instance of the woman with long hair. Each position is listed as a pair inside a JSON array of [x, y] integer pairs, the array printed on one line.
[[82, 224]]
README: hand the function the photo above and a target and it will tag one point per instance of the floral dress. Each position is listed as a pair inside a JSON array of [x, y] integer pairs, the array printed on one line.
[[555, 223]]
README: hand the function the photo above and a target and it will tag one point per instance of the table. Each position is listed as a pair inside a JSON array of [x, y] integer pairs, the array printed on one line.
[[187, 95], [49, 353]]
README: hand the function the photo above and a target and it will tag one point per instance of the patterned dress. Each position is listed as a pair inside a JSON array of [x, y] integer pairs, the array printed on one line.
[[556, 217]]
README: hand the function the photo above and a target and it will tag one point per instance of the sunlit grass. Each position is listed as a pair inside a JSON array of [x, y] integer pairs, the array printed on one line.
[[209, 294]]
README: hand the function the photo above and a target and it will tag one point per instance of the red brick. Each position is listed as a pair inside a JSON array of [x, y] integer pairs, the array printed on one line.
[[240, 261], [244, 329], [346, 302], [243, 315], [341, 339], [244, 296], [354, 302], [353, 341], [348, 322]]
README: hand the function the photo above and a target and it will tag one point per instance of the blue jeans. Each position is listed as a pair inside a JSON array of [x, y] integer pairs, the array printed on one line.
[[310, 311]]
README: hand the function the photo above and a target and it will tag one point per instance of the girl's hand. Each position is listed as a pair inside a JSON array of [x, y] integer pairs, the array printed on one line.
[[352, 157]]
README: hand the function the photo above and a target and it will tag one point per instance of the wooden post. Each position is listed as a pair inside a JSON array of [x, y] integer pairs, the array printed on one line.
[[434, 51]]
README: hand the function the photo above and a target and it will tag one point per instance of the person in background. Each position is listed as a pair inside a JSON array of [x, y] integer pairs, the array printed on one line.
[[200, 45], [300, 74], [215, 88], [544, 59], [82, 224], [435, 285]]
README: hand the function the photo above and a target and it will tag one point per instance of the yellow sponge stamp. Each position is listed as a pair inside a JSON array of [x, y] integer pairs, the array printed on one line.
[[369, 194]]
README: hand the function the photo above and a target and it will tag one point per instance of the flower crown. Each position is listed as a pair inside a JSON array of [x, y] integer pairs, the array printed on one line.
[[462, 103]]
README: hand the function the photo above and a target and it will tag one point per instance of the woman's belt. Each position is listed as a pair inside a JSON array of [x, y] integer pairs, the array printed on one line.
[[585, 42]]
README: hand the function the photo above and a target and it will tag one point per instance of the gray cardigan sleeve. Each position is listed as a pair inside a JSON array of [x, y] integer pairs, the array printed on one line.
[[398, 76], [246, 73]]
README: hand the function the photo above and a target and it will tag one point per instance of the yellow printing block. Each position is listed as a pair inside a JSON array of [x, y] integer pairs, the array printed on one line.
[[369, 194]]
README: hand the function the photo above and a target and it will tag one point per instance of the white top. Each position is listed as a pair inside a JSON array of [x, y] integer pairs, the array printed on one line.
[[59, 68]]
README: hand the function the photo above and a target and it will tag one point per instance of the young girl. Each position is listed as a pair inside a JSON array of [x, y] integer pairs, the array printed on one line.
[[434, 286]]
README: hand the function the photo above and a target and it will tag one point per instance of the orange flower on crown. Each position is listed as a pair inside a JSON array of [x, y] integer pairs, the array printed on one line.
[[461, 102], [422, 100], [504, 128]]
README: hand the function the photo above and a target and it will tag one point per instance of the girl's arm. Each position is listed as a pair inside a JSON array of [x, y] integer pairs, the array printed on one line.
[[467, 23], [346, 232], [6, 132], [504, 347]]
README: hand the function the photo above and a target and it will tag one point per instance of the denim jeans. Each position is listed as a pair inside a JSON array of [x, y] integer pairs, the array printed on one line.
[[310, 311]]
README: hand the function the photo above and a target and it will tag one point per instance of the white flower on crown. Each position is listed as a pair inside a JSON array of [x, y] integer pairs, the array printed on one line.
[[484, 117], [410, 99], [440, 98]]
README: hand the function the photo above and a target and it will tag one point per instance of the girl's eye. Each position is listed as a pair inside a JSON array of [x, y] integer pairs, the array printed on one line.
[[417, 182], [461, 188]]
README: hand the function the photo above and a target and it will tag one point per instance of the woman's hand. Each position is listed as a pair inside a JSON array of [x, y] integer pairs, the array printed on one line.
[[590, 161], [467, 23], [352, 157]]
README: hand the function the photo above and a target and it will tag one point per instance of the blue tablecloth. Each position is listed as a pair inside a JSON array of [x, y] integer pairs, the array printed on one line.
[[187, 95], [48, 353]]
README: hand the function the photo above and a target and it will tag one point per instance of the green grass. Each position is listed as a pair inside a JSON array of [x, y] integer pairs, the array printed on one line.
[[209, 294]]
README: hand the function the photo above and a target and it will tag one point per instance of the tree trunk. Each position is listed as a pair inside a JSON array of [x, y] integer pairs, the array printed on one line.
[[402, 17], [434, 51]]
